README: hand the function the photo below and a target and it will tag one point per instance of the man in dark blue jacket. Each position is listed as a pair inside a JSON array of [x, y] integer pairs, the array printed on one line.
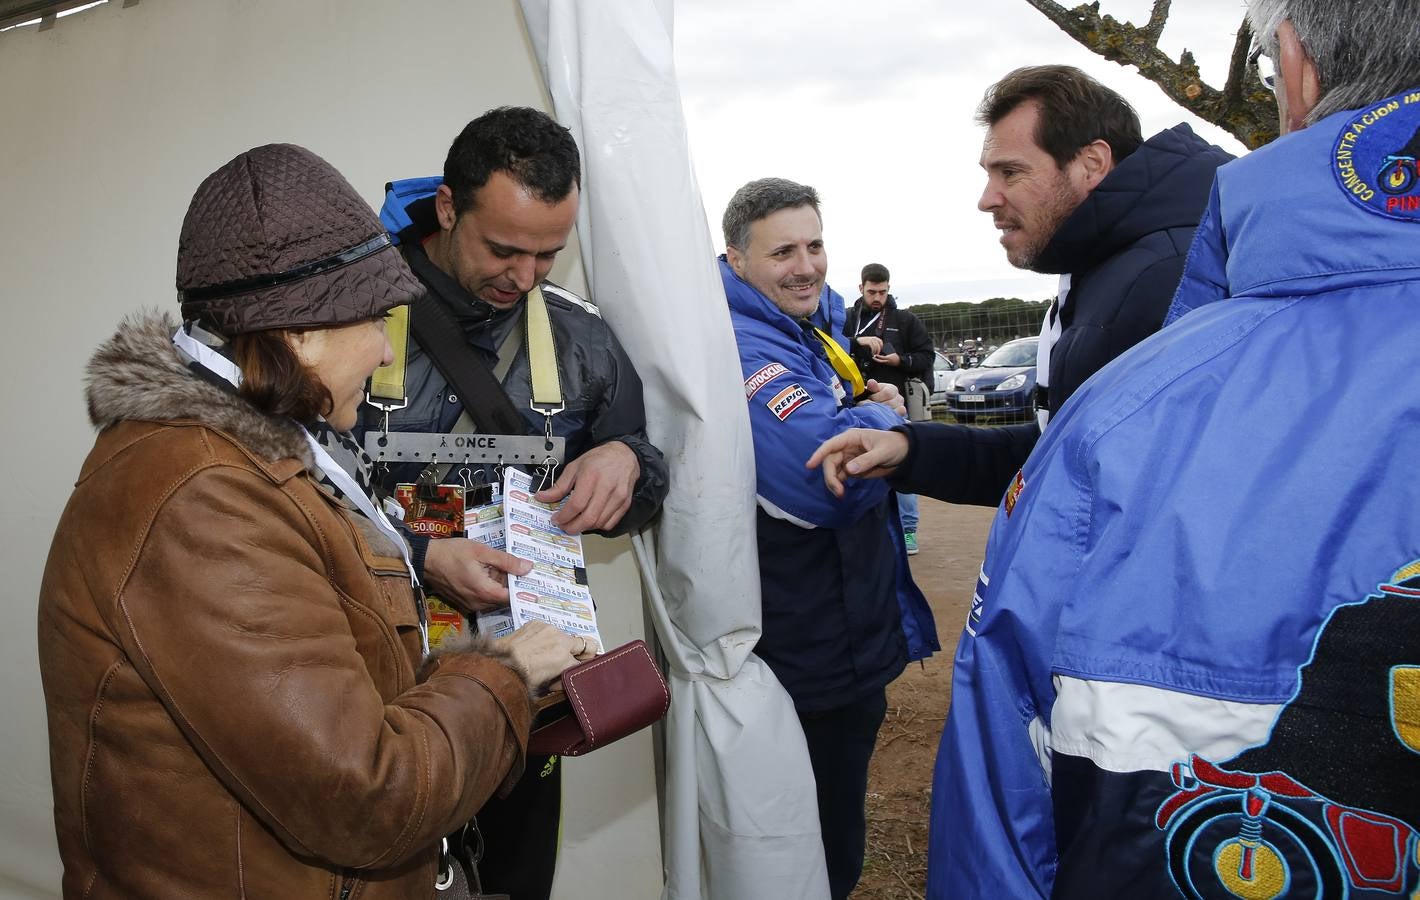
[[1075, 192]]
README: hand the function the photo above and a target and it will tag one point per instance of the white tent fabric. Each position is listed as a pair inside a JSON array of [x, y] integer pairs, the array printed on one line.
[[740, 813]]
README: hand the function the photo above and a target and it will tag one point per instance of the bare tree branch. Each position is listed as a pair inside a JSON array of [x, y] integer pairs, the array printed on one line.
[[1158, 17], [1247, 110], [1241, 67]]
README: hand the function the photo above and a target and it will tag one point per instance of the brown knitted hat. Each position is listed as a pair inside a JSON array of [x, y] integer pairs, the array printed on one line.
[[277, 238]]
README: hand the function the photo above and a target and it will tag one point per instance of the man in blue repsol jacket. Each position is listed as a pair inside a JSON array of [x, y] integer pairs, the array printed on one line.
[[1192, 666], [841, 615]]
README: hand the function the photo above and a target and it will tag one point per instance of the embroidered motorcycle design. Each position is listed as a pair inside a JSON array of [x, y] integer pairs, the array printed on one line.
[[1329, 806]]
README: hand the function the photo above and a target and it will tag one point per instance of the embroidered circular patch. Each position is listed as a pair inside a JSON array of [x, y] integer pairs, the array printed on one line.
[[1377, 157]]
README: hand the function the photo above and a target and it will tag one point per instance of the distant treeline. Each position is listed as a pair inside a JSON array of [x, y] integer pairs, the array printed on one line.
[[993, 321]]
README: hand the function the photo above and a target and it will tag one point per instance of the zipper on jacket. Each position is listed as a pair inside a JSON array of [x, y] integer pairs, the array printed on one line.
[[347, 885]]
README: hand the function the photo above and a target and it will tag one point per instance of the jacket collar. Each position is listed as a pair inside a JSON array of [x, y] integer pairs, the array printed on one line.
[[748, 301], [476, 317], [1317, 236], [861, 309], [1163, 184], [137, 375]]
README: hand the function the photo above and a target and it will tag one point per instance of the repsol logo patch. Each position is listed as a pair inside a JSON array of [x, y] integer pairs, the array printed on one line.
[[784, 403], [759, 379]]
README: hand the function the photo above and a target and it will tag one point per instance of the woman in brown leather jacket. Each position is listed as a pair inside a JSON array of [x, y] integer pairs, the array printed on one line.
[[241, 702]]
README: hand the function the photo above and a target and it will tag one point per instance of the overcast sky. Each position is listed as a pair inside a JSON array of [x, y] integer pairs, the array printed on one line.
[[871, 102]]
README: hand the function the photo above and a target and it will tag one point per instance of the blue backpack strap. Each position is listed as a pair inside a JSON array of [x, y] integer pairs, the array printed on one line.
[[399, 195]]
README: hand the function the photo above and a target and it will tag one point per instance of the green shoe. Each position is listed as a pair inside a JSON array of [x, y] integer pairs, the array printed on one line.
[[910, 538]]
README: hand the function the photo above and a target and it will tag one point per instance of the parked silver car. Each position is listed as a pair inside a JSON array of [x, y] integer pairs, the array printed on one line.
[[943, 371]]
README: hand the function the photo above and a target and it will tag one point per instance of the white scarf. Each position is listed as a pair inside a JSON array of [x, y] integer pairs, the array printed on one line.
[[1049, 334], [224, 368]]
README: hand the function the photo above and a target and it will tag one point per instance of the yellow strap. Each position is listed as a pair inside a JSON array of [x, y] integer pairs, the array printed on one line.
[[842, 363], [387, 382], [542, 354]]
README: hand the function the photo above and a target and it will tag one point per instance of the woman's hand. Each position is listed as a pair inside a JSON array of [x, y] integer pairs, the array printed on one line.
[[469, 575], [544, 652]]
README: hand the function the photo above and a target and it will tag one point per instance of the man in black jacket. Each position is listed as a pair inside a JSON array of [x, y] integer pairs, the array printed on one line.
[[890, 345], [1075, 192], [480, 240]]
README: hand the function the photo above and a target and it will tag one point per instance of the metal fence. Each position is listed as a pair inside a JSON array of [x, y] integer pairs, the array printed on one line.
[[987, 324]]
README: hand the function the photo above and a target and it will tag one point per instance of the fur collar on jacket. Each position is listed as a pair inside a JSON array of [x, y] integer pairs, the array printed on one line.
[[137, 374]]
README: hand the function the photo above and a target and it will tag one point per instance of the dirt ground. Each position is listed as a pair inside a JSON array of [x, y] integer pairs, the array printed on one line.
[[952, 539]]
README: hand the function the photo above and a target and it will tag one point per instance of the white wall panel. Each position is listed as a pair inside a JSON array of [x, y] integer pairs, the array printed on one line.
[[110, 120]]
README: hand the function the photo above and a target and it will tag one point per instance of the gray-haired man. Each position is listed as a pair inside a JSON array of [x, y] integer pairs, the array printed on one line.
[[1193, 665]]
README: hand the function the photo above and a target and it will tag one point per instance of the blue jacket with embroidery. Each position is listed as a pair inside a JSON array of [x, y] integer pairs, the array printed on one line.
[[841, 614], [1192, 664]]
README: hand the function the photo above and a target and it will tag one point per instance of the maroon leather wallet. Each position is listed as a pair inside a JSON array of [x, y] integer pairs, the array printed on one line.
[[607, 698]]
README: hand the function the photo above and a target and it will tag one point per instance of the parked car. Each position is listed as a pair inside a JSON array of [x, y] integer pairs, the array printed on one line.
[[1001, 389], [943, 370]]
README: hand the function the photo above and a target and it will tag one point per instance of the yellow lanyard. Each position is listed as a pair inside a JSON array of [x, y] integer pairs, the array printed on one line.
[[842, 363], [542, 356], [387, 382]]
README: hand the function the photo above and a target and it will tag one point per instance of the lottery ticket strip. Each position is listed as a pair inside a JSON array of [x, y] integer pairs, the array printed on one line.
[[555, 591]]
